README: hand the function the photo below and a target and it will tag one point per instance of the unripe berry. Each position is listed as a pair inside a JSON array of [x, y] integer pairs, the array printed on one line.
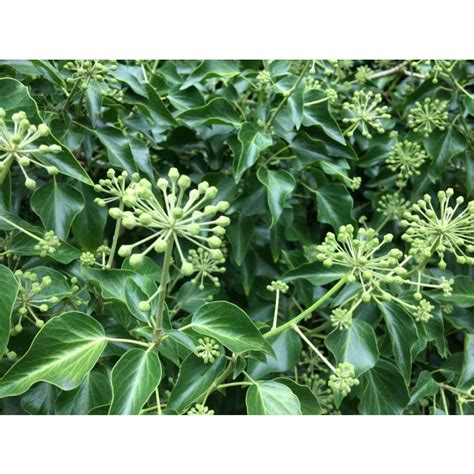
[[160, 245], [30, 183], [145, 219], [52, 170], [43, 129], [214, 242], [136, 260], [43, 308], [115, 213], [129, 223], [186, 268], [125, 251], [144, 306], [39, 323]]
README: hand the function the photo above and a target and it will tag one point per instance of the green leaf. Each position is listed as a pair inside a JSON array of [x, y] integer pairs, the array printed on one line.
[[267, 397], [240, 234], [308, 149], [308, 401], [280, 184], [383, 391], [443, 146], [425, 387], [15, 98], [93, 101], [209, 68], [231, 326], [217, 111], [62, 353], [296, 105], [466, 379], [9, 292], [194, 380], [40, 399], [403, 336], [316, 273], [118, 148], [356, 345], [93, 392], [57, 204], [334, 205], [463, 292], [252, 143], [134, 378], [287, 349], [88, 226]]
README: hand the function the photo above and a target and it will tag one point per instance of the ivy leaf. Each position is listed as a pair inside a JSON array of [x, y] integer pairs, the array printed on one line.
[[280, 184], [218, 111], [134, 378], [403, 336], [356, 345], [240, 234], [9, 293], [287, 349], [467, 372], [463, 292], [57, 204], [93, 392], [383, 391], [118, 148], [296, 105], [40, 399], [267, 397], [93, 101], [252, 143], [194, 380], [231, 326], [425, 387], [208, 69], [308, 401], [62, 353], [334, 205], [443, 146]]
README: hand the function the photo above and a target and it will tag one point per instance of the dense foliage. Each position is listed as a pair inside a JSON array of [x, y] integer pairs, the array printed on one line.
[[231, 237]]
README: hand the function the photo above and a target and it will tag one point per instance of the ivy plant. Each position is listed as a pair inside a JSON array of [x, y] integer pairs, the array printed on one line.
[[236, 237]]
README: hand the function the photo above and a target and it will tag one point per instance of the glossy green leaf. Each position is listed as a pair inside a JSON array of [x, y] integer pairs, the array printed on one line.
[[208, 69], [93, 392], [118, 148], [267, 397], [403, 336], [40, 399], [57, 204], [240, 234], [62, 353], [443, 146], [334, 205], [383, 391], [194, 380], [425, 386], [9, 291], [279, 184], [252, 143], [308, 401], [356, 345], [134, 378], [217, 111], [467, 372], [231, 326], [316, 273]]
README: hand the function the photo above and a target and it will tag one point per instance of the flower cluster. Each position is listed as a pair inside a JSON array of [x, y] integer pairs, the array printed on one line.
[[341, 318], [423, 313], [89, 259], [199, 409], [405, 158], [30, 300], [264, 77], [48, 244], [208, 350], [449, 229], [363, 74], [205, 264], [343, 379], [426, 117], [279, 286], [16, 144], [365, 113], [84, 71], [392, 206]]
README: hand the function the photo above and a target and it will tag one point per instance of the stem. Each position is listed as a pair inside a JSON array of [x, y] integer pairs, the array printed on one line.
[[39, 239], [234, 384], [315, 349], [162, 291], [445, 403], [387, 72], [128, 341], [6, 168], [275, 314], [287, 96], [158, 403], [113, 247], [307, 311]]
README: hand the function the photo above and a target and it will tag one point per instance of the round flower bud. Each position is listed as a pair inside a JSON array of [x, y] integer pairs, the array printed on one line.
[[214, 242], [210, 211], [125, 251], [43, 149], [216, 254], [39, 323], [110, 173], [129, 223], [160, 245], [18, 328], [186, 268], [100, 202], [22, 311], [184, 182], [52, 170], [177, 212], [193, 229], [222, 206], [43, 130], [202, 187], [115, 213], [145, 219], [136, 260], [144, 306], [173, 173], [211, 192], [47, 280], [129, 200], [24, 161], [56, 149], [30, 183], [43, 308], [222, 221], [162, 183]]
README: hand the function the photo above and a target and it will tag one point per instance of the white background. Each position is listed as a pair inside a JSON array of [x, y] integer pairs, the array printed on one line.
[[218, 29]]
